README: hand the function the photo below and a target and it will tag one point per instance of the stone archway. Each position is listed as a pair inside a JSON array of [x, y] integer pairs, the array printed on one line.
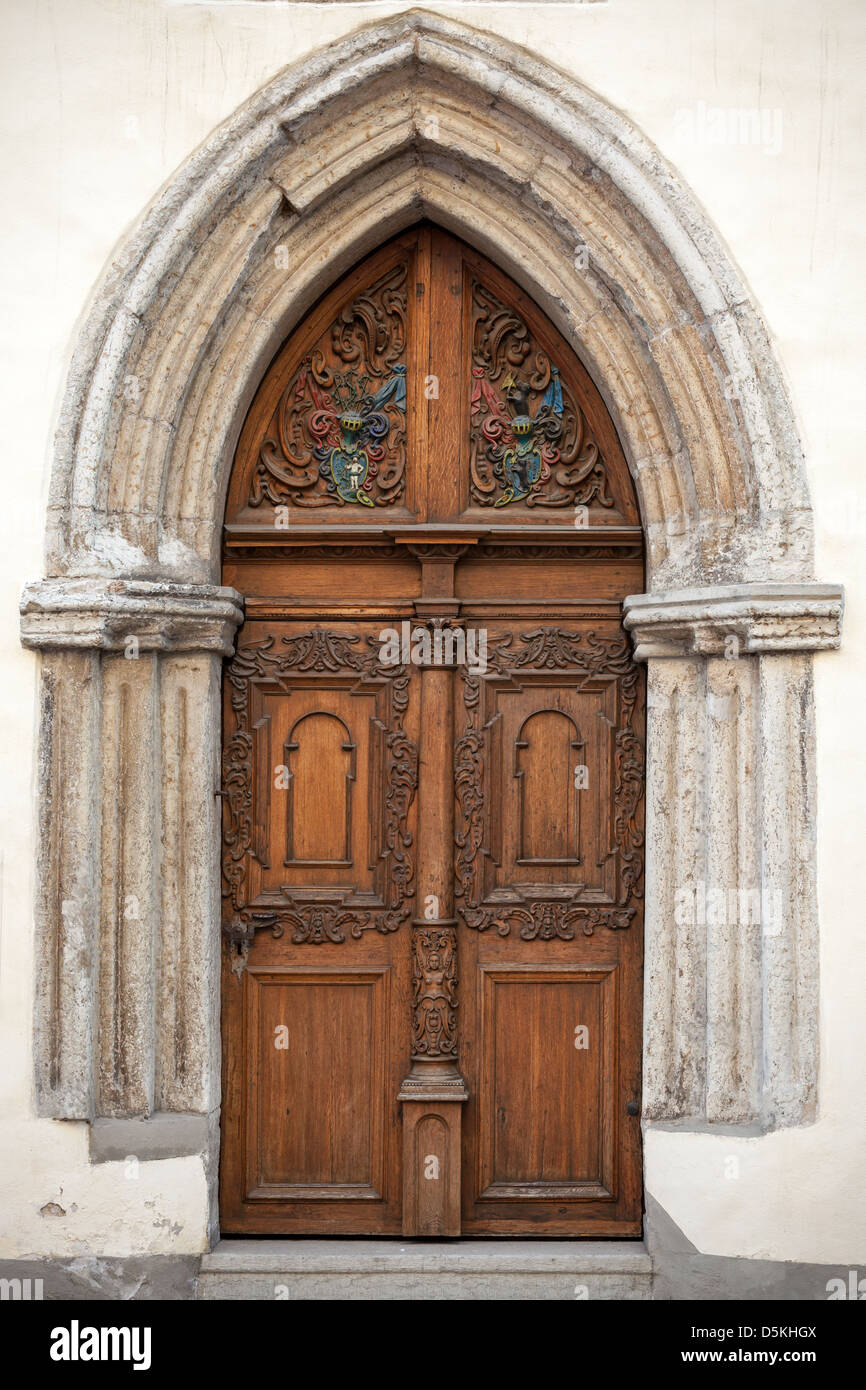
[[421, 117]]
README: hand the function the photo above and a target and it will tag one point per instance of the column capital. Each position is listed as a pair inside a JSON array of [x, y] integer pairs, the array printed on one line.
[[762, 617], [104, 614]]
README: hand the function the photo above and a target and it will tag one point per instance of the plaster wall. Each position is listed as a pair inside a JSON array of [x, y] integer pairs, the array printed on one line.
[[101, 102]]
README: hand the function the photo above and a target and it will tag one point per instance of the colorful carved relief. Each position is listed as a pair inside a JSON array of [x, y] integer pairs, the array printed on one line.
[[530, 441], [338, 434]]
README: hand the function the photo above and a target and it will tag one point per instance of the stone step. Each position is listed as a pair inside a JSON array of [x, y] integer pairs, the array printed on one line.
[[409, 1270]]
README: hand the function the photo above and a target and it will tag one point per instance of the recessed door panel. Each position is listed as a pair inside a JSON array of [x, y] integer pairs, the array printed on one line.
[[319, 770], [318, 1114], [548, 1059]]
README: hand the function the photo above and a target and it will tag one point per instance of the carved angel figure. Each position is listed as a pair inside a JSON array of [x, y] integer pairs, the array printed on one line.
[[435, 993]]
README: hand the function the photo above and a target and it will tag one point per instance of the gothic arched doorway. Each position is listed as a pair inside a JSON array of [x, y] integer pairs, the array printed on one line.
[[433, 773]]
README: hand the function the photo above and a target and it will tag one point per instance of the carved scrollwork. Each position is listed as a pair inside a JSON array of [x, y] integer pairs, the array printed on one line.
[[529, 439], [500, 551], [317, 923], [588, 655], [250, 550], [338, 434], [548, 921]]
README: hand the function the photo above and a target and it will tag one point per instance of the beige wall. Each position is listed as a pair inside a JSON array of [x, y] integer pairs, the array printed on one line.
[[102, 101]]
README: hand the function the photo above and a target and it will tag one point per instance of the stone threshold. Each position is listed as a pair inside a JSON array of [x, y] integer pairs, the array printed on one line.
[[417, 1270]]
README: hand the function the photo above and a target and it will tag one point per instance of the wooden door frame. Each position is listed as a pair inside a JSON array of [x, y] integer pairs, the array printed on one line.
[[135, 515]]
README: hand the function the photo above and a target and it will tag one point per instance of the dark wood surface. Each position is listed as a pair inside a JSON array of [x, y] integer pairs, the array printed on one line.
[[356, 792]]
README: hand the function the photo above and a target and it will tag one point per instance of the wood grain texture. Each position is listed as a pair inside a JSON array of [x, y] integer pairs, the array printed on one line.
[[433, 876], [499, 420]]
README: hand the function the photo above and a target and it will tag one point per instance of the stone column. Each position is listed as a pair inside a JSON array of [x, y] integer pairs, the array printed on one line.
[[731, 974], [127, 930]]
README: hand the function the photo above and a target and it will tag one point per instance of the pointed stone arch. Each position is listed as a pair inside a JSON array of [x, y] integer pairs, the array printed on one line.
[[420, 117], [423, 117]]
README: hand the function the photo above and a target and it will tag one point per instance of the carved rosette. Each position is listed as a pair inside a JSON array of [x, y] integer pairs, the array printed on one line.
[[338, 434], [434, 988], [586, 655], [315, 924], [529, 440]]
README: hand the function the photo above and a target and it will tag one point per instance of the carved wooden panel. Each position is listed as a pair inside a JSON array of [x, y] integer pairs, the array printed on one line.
[[321, 771], [426, 387], [317, 1113], [549, 767], [338, 433], [549, 777], [318, 778], [537, 441], [547, 748], [319, 860], [328, 433], [529, 439], [431, 1160], [548, 1033], [434, 981]]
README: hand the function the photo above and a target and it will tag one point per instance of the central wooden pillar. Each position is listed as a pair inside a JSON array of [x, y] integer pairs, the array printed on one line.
[[433, 1093]]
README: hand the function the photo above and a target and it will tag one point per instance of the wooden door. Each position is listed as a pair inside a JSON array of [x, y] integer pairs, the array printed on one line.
[[433, 774]]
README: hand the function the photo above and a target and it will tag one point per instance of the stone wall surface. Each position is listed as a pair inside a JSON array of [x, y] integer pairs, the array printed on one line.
[[132, 411]]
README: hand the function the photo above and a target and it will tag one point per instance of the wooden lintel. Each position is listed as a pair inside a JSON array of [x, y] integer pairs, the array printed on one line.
[[243, 538]]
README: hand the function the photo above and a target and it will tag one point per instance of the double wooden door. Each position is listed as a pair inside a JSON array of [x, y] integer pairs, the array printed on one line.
[[432, 774]]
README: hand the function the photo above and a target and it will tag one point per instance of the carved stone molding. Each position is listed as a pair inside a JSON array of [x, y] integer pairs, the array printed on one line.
[[762, 618], [731, 923], [731, 977], [107, 615], [196, 302], [127, 975]]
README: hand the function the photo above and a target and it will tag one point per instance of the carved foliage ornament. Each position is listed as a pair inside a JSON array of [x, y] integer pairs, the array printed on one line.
[[338, 435], [529, 440], [317, 651], [588, 656]]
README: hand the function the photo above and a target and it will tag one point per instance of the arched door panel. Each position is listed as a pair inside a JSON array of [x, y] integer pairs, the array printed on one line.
[[432, 774]]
